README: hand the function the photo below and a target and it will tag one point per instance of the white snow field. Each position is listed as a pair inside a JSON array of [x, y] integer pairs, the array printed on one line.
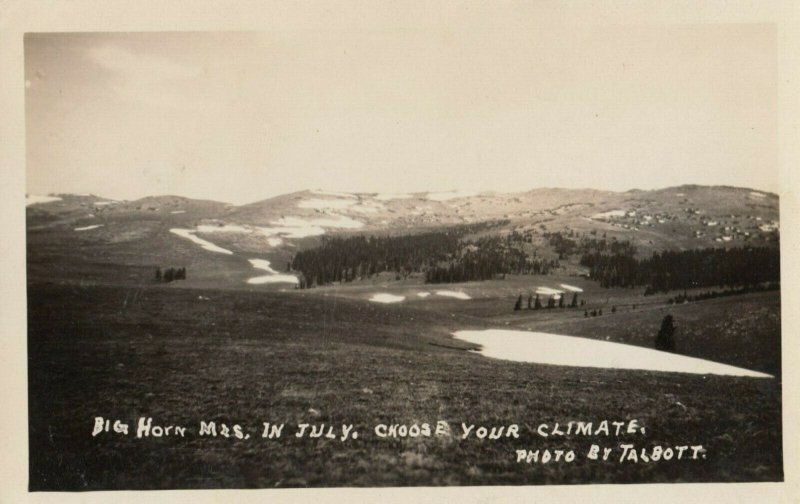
[[610, 213], [33, 199], [292, 232], [340, 221], [326, 204], [227, 228], [286, 228], [423, 294], [570, 288], [547, 291], [390, 196], [87, 228], [386, 298], [453, 294], [556, 349], [448, 195], [333, 193], [272, 276], [206, 245], [297, 227]]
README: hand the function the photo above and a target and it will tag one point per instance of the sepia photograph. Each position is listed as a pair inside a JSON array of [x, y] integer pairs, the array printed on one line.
[[411, 254]]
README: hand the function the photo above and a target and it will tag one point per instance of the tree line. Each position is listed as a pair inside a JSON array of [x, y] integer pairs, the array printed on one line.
[[170, 274], [443, 256], [686, 269]]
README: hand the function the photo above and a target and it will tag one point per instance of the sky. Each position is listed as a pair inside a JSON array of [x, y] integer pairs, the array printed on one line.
[[243, 116]]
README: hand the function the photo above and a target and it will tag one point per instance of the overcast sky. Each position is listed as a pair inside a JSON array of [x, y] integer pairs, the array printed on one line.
[[239, 117]]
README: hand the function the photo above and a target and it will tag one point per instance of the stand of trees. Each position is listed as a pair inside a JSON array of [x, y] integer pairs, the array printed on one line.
[[670, 270], [443, 256], [702, 296], [170, 274], [566, 244], [534, 303], [486, 258]]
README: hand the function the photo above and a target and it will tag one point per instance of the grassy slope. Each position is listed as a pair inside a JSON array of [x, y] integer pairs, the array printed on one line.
[[249, 357], [741, 330]]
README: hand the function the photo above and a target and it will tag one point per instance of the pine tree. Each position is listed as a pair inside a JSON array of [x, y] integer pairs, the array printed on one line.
[[561, 301], [530, 300], [518, 305], [574, 302], [537, 304], [665, 340]]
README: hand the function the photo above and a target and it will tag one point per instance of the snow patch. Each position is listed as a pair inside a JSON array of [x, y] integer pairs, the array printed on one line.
[[292, 232], [610, 213], [571, 288], [272, 277], [227, 228], [453, 294], [87, 228], [326, 204], [206, 245], [33, 199], [423, 294], [448, 195], [757, 194], [547, 291], [333, 193], [339, 222], [559, 350], [390, 196], [178, 211], [386, 298]]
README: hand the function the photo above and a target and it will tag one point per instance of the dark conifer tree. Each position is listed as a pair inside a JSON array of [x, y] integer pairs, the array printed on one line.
[[665, 340], [518, 305]]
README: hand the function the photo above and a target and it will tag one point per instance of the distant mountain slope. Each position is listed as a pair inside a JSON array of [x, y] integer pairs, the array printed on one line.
[[142, 233]]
